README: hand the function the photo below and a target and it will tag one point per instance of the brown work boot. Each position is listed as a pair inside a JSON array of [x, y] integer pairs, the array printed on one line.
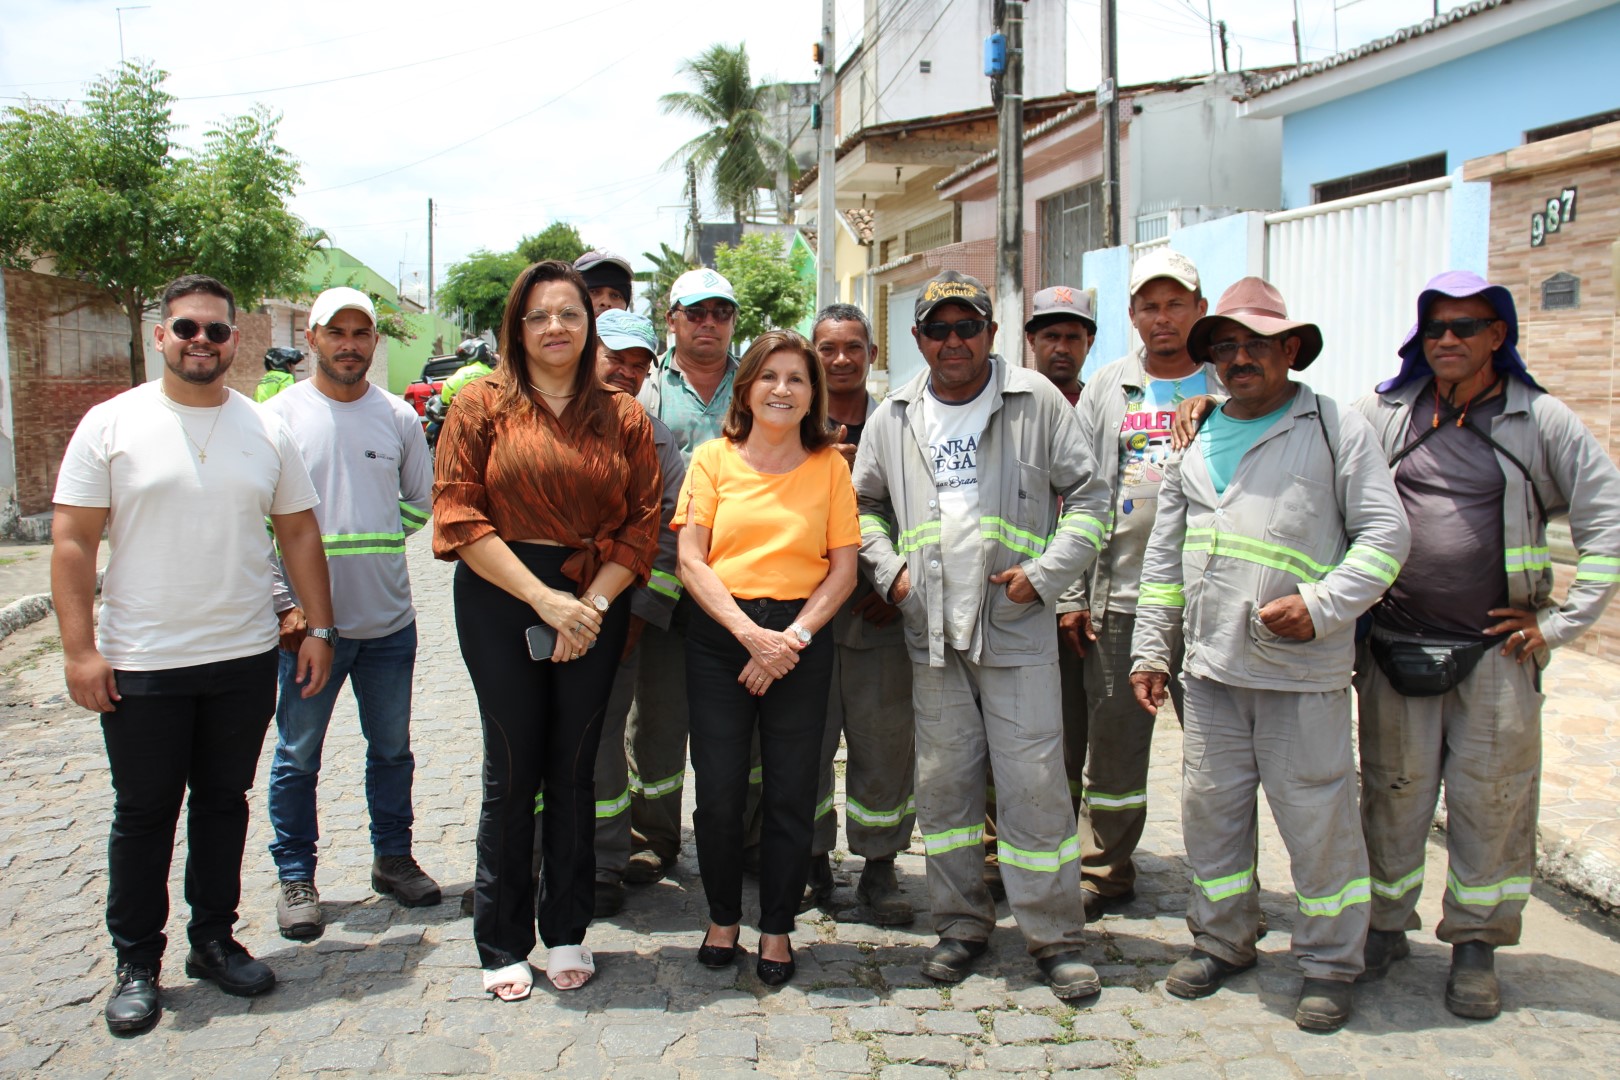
[[818, 887], [1097, 905], [1198, 974], [1383, 948], [1472, 991], [399, 876], [880, 892], [1324, 1005]]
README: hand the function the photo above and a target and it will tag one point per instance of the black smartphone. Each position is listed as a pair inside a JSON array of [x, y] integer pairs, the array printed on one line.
[[542, 641]]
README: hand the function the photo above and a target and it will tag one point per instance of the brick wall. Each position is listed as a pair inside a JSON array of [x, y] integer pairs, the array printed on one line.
[[69, 350], [1575, 354]]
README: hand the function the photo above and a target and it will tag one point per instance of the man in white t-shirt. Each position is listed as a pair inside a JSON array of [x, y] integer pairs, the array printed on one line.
[[181, 665], [370, 464]]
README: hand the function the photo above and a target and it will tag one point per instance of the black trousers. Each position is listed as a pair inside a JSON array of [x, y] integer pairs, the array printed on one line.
[[541, 723], [196, 727], [789, 720]]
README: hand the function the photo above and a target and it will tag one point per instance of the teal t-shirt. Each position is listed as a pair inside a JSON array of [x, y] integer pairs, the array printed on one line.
[[1225, 440]]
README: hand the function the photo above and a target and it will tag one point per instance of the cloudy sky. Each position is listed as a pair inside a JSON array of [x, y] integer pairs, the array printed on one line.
[[511, 115]]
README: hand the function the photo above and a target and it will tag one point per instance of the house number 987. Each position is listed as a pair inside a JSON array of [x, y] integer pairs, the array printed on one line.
[[1560, 211]]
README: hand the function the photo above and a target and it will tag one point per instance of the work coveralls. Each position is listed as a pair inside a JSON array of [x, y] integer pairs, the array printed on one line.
[[995, 703], [273, 383], [653, 603], [1108, 740], [1483, 738], [1310, 510], [870, 709]]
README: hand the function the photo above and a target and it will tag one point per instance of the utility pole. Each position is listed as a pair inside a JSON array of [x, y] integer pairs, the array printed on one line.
[[119, 11], [1220, 26], [1107, 96], [826, 183], [430, 258], [1209, 8], [694, 225], [1010, 186]]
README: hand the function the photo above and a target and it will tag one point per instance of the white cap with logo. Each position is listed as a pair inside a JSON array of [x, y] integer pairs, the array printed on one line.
[[700, 284], [1163, 263]]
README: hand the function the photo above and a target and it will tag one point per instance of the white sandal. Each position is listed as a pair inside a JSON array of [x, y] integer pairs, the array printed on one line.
[[518, 975], [565, 958]]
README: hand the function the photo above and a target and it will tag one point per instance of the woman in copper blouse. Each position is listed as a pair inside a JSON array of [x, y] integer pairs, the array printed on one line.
[[547, 490]]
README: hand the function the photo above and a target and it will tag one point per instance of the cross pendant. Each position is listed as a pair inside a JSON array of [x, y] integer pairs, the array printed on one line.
[[202, 457]]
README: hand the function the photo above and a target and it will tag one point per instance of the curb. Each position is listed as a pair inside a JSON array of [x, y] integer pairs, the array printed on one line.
[[25, 612]]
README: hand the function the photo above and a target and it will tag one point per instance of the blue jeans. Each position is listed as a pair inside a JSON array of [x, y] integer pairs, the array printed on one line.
[[381, 670]]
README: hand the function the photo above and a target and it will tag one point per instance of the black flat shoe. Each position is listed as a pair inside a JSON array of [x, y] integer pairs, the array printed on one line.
[[134, 1004], [230, 967], [776, 972], [719, 956]]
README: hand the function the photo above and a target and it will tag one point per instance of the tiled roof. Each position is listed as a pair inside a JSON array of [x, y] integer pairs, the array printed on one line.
[[1427, 26], [861, 222]]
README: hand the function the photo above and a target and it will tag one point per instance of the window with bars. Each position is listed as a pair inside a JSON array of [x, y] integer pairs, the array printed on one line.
[[1387, 176], [1071, 224], [931, 234]]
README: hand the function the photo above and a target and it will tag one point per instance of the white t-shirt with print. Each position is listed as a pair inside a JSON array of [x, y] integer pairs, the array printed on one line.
[[953, 430], [188, 571]]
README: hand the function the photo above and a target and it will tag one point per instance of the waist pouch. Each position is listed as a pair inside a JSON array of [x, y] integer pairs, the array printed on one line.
[[1426, 668]]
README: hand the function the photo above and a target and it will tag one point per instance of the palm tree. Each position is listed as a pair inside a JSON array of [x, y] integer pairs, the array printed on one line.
[[738, 151], [668, 264]]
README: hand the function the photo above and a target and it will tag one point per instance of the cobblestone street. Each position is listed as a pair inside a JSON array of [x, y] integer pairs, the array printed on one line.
[[392, 990]]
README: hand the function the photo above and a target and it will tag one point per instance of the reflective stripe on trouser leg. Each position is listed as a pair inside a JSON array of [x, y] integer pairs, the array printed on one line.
[[880, 766], [1119, 748], [1492, 777], [613, 776], [656, 739], [1297, 746], [1021, 732]]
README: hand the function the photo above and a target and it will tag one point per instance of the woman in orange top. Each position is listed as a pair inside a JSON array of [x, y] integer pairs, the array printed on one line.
[[768, 542], [547, 490]]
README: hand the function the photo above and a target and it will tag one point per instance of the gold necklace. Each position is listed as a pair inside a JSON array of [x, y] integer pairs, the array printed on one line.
[[202, 448]]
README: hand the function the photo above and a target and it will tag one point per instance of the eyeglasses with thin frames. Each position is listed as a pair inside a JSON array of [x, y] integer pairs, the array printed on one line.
[[1258, 348], [571, 319], [187, 329]]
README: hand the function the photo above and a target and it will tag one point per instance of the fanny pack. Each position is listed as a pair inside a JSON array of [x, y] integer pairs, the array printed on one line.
[[1426, 668]]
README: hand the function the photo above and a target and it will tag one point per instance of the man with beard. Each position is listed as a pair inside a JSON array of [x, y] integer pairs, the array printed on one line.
[[183, 472], [365, 453]]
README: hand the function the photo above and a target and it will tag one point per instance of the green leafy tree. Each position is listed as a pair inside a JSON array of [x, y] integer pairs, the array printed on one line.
[[770, 292], [559, 240], [478, 286], [737, 150], [668, 264], [104, 191]]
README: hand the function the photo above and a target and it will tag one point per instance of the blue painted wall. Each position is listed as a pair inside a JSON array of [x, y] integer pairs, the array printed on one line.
[[1475, 105]]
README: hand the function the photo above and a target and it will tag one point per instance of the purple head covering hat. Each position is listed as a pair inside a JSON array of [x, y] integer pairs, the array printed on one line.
[[1459, 285]]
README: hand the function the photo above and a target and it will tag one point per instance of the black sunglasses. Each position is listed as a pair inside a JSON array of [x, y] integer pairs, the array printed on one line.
[[963, 328], [186, 329], [1435, 329]]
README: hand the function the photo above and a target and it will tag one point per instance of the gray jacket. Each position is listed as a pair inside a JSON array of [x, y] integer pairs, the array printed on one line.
[[850, 630], [655, 601], [1310, 509], [1572, 475], [1031, 455], [1102, 408]]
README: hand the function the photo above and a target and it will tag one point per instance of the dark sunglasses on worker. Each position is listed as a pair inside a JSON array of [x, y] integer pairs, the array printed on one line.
[[1435, 329], [717, 312], [964, 329], [186, 329]]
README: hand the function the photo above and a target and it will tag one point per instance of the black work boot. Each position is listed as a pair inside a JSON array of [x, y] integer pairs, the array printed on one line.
[[134, 1005], [1324, 1005], [1198, 974], [1383, 948], [1472, 991], [818, 887], [952, 959], [880, 892]]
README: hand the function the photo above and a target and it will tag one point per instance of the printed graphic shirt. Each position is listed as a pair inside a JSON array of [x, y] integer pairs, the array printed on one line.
[[953, 431], [1144, 451]]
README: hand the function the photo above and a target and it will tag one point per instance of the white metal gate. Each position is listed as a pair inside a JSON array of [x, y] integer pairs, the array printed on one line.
[[904, 360], [1355, 267]]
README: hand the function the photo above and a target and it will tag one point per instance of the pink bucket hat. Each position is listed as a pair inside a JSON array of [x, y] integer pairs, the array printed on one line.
[[1255, 304]]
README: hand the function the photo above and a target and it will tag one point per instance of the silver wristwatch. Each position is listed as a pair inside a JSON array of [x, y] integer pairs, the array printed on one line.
[[801, 633], [598, 601], [327, 634]]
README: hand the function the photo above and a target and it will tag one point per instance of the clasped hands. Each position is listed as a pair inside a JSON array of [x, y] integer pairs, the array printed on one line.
[[771, 655]]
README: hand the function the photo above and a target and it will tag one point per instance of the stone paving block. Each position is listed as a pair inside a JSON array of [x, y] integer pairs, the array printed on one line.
[[1084, 1055], [430, 1057], [1174, 1072], [816, 1028], [842, 1058], [1259, 1068], [392, 1021], [376, 962], [1025, 1027], [1464, 1045], [1323, 1062], [1160, 1048], [976, 994], [1104, 1074], [924, 1050], [26, 1058], [912, 1072], [1017, 1060], [884, 1018], [303, 1028], [524, 1053], [940, 1022], [230, 1035], [1481, 1072], [638, 1040], [343, 1055], [840, 997], [725, 1044], [257, 1067], [1104, 1026]]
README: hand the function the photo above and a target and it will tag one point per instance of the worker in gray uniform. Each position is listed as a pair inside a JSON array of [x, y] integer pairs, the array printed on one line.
[[1275, 531]]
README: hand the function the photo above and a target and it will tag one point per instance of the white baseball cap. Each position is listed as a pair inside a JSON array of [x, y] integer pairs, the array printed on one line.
[[700, 284], [342, 298], [1164, 263]]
